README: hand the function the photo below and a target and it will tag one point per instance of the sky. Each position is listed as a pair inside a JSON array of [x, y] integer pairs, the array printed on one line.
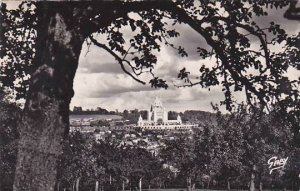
[[100, 82]]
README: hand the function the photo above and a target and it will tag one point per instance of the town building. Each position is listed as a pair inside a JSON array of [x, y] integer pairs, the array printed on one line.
[[157, 119]]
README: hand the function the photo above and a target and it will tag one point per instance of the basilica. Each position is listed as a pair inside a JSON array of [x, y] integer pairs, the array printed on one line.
[[157, 119]]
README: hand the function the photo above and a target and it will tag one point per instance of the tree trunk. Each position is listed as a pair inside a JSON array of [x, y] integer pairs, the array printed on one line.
[[77, 184], [252, 179], [73, 186], [160, 182], [208, 184], [260, 185], [140, 184], [45, 118], [97, 186], [228, 184], [189, 183]]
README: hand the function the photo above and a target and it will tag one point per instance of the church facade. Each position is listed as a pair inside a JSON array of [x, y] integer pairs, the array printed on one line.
[[157, 119]]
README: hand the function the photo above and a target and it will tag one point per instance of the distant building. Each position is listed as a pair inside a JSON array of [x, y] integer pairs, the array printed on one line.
[[157, 119]]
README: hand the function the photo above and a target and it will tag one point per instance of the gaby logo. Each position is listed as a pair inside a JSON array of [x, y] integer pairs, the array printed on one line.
[[275, 163]]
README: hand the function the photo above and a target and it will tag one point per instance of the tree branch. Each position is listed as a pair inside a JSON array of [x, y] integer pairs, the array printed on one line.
[[102, 13], [251, 31], [185, 18], [293, 12], [120, 60], [112, 10]]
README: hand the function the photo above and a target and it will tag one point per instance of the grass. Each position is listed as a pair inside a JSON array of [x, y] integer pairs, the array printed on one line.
[[183, 189]]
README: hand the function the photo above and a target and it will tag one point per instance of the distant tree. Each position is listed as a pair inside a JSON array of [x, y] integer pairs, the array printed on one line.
[[291, 172], [234, 150], [181, 154], [127, 164], [144, 114], [77, 166], [164, 179], [9, 117], [125, 113], [41, 43], [250, 138], [141, 166], [201, 117], [132, 116], [200, 156], [77, 109], [209, 152], [172, 115], [265, 137], [101, 110], [228, 149], [112, 113]]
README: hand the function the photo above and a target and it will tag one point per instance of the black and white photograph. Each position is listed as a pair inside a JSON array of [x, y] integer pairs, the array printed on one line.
[[150, 95]]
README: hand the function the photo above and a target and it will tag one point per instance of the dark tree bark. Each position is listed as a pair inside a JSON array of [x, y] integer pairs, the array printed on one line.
[[46, 113]]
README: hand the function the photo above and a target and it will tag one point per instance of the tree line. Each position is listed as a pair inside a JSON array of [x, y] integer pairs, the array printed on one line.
[[77, 110], [229, 154]]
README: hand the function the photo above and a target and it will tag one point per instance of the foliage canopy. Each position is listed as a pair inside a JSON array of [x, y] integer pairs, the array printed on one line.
[[228, 27]]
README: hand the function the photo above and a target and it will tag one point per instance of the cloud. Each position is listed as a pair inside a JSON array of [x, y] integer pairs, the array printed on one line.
[[98, 67], [95, 85], [101, 82], [173, 99], [96, 60], [118, 90], [276, 15], [190, 40], [12, 4]]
